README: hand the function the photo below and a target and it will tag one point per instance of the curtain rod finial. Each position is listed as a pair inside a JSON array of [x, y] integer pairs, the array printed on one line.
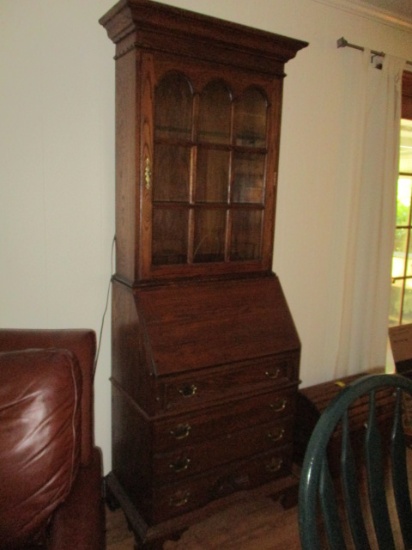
[[342, 42]]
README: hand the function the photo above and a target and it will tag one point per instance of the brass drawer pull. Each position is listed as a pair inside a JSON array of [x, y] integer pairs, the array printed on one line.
[[279, 406], [274, 465], [179, 499], [273, 375], [276, 436], [181, 431], [180, 465], [188, 390]]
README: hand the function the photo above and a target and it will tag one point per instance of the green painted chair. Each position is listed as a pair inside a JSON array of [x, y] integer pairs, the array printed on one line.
[[332, 511]]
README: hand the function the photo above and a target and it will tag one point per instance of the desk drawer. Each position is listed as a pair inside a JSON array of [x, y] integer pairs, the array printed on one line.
[[218, 384], [183, 430], [197, 458], [173, 499]]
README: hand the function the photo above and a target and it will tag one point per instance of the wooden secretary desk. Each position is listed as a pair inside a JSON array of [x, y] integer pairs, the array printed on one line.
[[205, 352]]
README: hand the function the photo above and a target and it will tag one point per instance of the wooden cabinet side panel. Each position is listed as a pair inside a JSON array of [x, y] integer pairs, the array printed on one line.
[[127, 148], [272, 159], [132, 451], [128, 353]]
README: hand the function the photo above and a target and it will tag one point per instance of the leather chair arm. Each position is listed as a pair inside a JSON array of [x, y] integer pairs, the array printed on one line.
[[79, 522]]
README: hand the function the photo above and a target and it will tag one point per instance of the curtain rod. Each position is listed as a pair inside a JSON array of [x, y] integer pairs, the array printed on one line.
[[343, 43]]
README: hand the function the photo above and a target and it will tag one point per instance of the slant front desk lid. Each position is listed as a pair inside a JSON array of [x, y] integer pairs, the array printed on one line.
[[193, 326]]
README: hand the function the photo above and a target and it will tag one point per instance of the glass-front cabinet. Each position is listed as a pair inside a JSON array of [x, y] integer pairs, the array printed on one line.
[[205, 354], [198, 129], [209, 180]]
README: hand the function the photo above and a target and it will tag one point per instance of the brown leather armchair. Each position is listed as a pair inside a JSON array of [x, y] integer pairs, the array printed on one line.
[[50, 469]]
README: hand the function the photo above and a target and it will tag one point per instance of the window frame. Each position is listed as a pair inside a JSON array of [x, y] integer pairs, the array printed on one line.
[[406, 113]]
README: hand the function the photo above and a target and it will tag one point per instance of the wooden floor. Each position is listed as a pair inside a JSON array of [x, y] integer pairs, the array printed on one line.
[[259, 524]]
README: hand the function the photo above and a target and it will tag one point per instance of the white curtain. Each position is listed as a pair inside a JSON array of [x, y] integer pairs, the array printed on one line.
[[371, 165]]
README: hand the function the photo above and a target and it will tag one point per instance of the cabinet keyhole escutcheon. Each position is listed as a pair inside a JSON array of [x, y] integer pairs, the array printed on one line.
[[147, 174]]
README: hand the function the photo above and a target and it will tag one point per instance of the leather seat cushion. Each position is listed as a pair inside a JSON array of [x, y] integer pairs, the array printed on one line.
[[40, 394]]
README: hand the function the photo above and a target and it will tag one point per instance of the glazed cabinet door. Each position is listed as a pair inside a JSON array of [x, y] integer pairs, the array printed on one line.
[[208, 166]]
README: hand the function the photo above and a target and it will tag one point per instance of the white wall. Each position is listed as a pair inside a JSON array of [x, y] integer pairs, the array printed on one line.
[[57, 173], [57, 165]]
